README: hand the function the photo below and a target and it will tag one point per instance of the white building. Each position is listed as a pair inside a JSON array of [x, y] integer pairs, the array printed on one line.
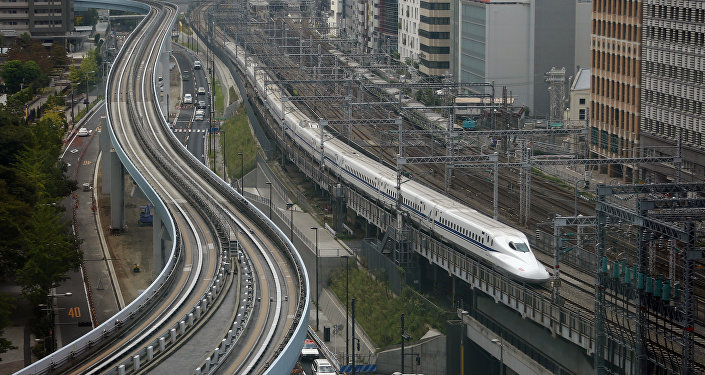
[[408, 30], [579, 97]]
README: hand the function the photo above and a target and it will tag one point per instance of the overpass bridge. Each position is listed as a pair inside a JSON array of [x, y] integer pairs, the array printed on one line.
[[213, 249]]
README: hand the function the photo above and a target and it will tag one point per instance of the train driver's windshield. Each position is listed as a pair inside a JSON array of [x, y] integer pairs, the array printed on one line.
[[519, 246]]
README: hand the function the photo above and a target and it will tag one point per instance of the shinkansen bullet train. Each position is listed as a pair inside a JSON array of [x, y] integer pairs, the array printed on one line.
[[506, 248]]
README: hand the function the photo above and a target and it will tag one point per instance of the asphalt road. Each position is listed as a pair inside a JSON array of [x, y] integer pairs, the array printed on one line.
[[80, 154], [190, 132]]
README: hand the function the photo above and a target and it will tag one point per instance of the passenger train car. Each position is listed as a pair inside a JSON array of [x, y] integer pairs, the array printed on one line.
[[506, 248]]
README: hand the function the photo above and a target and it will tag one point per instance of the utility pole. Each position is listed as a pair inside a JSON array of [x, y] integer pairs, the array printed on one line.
[[352, 306]]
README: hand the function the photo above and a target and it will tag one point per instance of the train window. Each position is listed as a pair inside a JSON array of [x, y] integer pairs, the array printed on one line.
[[519, 246]]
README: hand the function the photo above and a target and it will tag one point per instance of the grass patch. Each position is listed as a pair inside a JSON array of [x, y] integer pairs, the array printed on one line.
[[238, 138], [378, 310], [233, 95], [219, 98], [550, 178]]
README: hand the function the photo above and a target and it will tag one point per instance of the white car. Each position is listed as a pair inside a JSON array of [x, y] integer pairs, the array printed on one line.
[[310, 350], [188, 99], [83, 132], [200, 115], [322, 367]]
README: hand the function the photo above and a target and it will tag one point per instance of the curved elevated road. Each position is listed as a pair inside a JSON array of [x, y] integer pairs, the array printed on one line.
[[265, 297]]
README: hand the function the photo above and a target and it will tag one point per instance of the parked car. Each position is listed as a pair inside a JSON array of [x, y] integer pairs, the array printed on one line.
[[322, 367], [201, 90], [188, 99], [310, 350], [201, 104], [83, 132]]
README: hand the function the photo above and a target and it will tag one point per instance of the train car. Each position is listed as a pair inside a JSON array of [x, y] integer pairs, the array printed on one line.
[[505, 248]]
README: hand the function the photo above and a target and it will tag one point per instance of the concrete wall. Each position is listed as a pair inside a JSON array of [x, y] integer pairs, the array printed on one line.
[[564, 353], [583, 25], [432, 352], [554, 44]]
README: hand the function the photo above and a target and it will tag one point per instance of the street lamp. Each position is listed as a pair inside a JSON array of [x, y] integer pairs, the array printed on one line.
[[500, 342], [347, 323], [317, 301], [269, 183], [290, 207], [242, 173], [353, 334], [50, 313], [404, 338]]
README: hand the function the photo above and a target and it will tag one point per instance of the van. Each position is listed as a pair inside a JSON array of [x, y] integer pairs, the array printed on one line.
[[200, 114], [196, 65]]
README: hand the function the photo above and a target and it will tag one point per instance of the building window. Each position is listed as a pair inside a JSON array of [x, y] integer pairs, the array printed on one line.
[[435, 50], [435, 64], [594, 136], [582, 101], [433, 34], [436, 20], [435, 6], [581, 114]]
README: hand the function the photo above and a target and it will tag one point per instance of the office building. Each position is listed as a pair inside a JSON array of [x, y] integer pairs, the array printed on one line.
[[673, 87], [46, 20], [514, 43], [408, 44], [615, 87]]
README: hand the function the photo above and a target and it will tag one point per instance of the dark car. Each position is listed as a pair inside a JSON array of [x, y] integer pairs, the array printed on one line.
[[185, 75]]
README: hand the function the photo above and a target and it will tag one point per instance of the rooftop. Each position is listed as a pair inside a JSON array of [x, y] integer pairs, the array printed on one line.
[[582, 80]]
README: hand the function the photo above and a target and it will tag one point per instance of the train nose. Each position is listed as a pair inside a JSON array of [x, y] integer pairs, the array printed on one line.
[[532, 270], [537, 274]]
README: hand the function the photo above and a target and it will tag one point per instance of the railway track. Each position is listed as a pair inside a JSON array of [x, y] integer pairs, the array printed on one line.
[[469, 188]]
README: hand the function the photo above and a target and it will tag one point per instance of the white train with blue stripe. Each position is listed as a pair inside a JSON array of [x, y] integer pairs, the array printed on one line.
[[506, 248]]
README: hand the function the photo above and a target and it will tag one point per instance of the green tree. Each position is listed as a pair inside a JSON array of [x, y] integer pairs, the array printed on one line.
[[28, 49], [79, 75], [18, 74], [52, 251], [13, 75], [58, 56], [6, 307]]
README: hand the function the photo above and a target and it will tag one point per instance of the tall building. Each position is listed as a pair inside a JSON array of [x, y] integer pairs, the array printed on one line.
[[386, 25], [48, 19], [515, 42], [673, 86], [408, 43], [615, 87], [493, 41], [434, 37]]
